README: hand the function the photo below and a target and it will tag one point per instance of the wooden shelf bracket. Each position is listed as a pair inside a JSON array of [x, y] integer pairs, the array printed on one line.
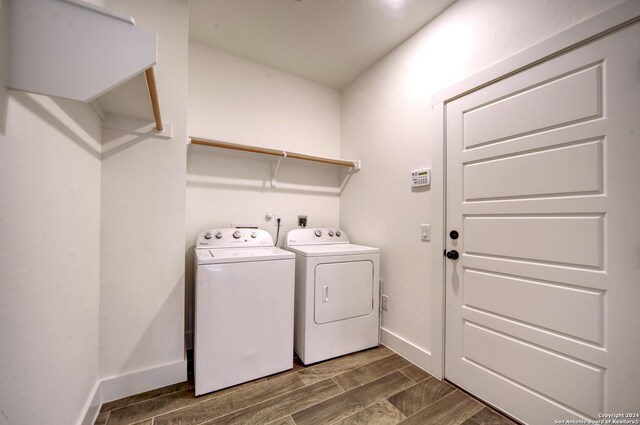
[[153, 97]]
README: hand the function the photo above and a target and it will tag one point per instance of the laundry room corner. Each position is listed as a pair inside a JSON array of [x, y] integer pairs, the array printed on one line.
[[142, 218]]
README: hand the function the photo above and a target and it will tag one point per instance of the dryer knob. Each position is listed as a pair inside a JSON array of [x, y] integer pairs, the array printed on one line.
[[318, 233], [254, 235], [338, 233], [330, 232], [207, 235], [237, 234], [219, 235]]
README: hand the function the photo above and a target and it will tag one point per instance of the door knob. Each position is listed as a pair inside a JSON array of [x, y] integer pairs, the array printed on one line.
[[454, 234], [453, 255]]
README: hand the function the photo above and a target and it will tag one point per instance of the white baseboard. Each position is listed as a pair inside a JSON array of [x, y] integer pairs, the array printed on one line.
[[92, 407], [117, 387], [144, 380], [408, 350]]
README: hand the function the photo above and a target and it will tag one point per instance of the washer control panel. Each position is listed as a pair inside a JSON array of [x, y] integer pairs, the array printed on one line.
[[233, 238], [317, 236]]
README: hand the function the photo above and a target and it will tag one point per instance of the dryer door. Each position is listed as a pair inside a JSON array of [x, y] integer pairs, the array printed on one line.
[[343, 291]]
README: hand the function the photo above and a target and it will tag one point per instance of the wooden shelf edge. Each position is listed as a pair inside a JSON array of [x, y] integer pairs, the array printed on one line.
[[274, 152]]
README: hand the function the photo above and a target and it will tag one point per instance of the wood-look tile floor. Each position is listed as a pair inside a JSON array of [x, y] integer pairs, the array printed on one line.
[[372, 387]]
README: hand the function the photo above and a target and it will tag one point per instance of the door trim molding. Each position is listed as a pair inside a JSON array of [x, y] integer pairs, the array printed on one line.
[[576, 36], [599, 26]]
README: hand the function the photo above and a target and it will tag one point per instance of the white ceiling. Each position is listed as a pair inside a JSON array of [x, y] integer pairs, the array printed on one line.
[[328, 41]]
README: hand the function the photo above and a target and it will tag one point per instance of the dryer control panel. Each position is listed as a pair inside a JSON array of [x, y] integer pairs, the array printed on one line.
[[316, 236], [233, 238]]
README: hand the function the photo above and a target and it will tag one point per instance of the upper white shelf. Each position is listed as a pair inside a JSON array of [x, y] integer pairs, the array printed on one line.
[[75, 50]]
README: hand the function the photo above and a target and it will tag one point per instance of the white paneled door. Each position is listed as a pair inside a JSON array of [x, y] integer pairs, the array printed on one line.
[[543, 188]]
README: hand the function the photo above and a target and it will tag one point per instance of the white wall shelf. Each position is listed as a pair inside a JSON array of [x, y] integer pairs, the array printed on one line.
[[75, 50], [279, 155]]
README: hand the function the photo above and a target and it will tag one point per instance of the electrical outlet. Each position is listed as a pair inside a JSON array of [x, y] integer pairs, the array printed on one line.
[[385, 302], [276, 217], [302, 221]]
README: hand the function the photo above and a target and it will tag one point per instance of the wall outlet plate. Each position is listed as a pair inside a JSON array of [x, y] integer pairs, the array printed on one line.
[[385, 302]]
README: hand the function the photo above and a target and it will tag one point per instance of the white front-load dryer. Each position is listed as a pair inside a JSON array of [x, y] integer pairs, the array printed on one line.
[[337, 294], [243, 308]]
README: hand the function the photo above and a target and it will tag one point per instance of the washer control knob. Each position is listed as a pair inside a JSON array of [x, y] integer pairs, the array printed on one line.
[[254, 235], [236, 234], [207, 235], [330, 232], [318, 232], [219, 235], [338, 233]]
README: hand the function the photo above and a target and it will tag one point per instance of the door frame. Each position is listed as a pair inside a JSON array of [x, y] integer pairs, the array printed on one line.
[[585, 32]]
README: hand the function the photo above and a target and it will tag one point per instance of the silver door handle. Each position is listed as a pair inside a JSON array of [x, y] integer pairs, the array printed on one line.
[[325, 293]]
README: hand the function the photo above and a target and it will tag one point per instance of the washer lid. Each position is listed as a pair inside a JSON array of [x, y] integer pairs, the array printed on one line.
[[239, 255], [331, 249]]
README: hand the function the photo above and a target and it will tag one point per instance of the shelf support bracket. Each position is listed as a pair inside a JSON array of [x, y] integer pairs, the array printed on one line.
[[350, 172], [275, 166], [153, 97]]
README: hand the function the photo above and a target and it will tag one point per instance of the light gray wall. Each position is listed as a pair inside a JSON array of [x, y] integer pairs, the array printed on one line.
[[386, 123]]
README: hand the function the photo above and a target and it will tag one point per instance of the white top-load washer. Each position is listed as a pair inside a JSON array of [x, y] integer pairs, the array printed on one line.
[[337, 294], [243, 308]]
